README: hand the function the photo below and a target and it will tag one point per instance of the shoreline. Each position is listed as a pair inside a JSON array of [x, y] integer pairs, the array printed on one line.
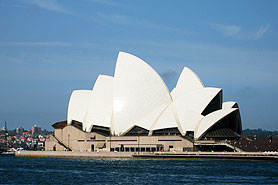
[[261, 156]]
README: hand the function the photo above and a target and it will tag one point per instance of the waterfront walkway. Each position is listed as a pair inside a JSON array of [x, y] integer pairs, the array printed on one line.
[[159, 155], [73, 154], [212, 155]]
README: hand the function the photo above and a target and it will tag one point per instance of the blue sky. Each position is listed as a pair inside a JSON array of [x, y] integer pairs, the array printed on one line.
[[48, 48]]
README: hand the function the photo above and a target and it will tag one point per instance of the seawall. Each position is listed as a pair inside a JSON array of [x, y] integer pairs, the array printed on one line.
[[73, 154], [211, 155], [155, 155]]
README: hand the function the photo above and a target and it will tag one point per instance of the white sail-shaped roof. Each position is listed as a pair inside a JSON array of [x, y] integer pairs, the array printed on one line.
[[189, 120], [229, 104], [211, 119], [78, 105], [196, 100], [173, 93], [167, 119], [138, 90], [137, 96], [100, 106], [187, 82], [148, 120]]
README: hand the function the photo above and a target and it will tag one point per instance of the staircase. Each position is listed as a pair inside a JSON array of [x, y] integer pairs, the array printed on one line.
[[61, 143], [215, 143]]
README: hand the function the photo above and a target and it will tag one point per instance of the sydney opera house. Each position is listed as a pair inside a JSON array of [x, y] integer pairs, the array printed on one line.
[[135, 111]]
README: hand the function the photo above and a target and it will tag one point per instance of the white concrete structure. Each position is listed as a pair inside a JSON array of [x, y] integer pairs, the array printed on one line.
[[187, 82], [99, 110], [229, 104], [136, 100], [211, 119], [78, 105], [138, 90]]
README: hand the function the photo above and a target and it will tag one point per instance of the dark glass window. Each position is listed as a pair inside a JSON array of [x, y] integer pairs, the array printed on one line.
[[168, 131], [137, 131]]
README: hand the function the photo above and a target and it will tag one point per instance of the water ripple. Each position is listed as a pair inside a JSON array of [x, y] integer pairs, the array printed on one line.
[[132, 171]]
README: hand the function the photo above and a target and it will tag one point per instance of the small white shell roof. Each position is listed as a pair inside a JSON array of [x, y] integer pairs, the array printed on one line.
[[78, 105], [188, 120], [148, 120], [209, 120], [229, 104], [137, 90], [187, 82], [100, 106], [196, 100], [167, 119]]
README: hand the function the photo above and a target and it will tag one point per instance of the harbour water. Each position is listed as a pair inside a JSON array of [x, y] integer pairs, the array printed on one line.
[[38, 170]]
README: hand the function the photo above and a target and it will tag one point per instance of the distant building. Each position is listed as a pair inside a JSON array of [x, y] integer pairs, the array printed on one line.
[[2, 138], [36, 130], [5, 129], [20, 130]]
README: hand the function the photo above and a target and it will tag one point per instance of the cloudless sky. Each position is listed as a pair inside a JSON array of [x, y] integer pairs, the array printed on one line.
[[48, 48]]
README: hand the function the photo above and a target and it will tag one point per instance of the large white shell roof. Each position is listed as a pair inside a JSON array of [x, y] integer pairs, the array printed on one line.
[[137, 96], [187, 82], [100, 103], [197, 99], [78, 105], [138, 90]]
